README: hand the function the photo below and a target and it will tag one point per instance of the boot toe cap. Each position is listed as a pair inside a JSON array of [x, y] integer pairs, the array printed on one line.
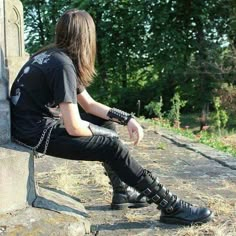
[[192, 215]]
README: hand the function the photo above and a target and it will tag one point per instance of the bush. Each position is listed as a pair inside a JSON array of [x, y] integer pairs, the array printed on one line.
[[155, 108]]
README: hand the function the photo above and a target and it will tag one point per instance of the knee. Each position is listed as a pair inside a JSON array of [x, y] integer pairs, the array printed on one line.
[[118, 150]]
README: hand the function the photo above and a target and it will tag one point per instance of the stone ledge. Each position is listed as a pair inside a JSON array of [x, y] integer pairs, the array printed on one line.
[[35, 221], [222, 158], [16, 178], [19, 192]]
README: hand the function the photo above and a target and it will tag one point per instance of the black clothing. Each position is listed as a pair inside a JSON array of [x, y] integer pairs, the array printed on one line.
[[46, 80], [95, 148]]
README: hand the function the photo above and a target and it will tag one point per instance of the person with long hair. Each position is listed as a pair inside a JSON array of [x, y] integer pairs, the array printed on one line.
[[46, 118]]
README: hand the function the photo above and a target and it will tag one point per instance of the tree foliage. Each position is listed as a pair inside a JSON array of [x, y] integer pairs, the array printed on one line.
[[150, 49], [40, 18]]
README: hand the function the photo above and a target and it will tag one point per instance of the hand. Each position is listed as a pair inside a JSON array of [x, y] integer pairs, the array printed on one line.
[[135, 131]]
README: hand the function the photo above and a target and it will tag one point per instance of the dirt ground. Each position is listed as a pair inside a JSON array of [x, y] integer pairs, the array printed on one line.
[[189, 174]]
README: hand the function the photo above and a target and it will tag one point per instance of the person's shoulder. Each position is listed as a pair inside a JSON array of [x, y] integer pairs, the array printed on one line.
[[52, 57], [59, 57]]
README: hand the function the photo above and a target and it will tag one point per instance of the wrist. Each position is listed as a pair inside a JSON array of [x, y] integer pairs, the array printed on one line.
[[130, 118], [119, 116]]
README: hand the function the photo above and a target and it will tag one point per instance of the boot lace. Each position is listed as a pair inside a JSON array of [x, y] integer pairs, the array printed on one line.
[[184, 204]]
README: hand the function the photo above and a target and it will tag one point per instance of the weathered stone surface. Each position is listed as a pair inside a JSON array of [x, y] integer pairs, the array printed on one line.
[[16, 178], [4, 122], [52, 199], [18, 191], [3, 75], [12, 57], [38, 222], [208, 152], [14, 28]]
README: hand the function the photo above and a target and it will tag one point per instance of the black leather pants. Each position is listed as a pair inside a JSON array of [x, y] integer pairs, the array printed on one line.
[[96, 148]]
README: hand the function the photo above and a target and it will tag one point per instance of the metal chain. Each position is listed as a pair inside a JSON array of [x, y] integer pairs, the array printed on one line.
[[47, 140], [34, 149]]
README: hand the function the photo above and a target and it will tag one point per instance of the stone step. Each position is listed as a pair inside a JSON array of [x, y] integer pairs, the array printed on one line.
[[60, 213], [16, 178], [35, 221]]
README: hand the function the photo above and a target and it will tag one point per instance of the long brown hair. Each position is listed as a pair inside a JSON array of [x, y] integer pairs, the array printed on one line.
[[76, 35]]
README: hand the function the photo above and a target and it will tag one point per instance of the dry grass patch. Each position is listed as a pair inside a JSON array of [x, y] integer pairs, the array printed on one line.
[[229, 140], [134, 217], [93, 173], [221, 206], [64, 179], [228, 184], [88, 173], [210, 229], [137, 217]]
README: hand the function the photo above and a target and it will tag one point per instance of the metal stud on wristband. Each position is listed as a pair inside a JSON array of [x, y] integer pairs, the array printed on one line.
[[119, 116]]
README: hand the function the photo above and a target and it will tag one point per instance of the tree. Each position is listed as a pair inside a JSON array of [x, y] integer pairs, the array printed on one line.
[[40, 18], [148, 48]]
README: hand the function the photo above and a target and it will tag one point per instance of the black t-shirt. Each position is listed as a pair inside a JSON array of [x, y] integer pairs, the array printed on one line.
[[44, 82]]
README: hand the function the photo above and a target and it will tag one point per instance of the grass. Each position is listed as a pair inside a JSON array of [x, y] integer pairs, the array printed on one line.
[[190, 127]]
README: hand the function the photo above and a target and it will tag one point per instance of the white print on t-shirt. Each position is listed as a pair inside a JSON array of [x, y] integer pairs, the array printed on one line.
[[26, 71], [16, 98], [41, 58]]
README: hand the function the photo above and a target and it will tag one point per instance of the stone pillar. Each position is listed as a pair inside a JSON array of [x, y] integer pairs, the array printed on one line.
[[14, 34], [12, 57], [4, 104], [16, 164]]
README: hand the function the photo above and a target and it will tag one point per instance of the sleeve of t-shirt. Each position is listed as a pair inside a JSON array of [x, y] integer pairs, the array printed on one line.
[[65, 84]]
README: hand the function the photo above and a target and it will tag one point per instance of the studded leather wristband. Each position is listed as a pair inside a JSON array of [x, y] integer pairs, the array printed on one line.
[[119, 116]]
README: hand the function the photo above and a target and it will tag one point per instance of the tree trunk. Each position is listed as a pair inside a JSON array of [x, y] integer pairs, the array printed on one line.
[[204, 116]]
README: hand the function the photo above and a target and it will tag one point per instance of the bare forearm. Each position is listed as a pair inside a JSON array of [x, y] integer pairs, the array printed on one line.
[[72, 121], [98, 109], [91, 106], [81, 129]]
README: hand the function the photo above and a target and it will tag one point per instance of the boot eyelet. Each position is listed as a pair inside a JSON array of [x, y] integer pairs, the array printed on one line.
[[169, 209]]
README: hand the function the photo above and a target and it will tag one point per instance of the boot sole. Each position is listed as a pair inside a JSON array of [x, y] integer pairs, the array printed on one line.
[[171, 220], [123, 206]]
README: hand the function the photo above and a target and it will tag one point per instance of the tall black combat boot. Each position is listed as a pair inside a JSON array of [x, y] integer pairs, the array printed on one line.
[[123, 195], [173, 210]]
